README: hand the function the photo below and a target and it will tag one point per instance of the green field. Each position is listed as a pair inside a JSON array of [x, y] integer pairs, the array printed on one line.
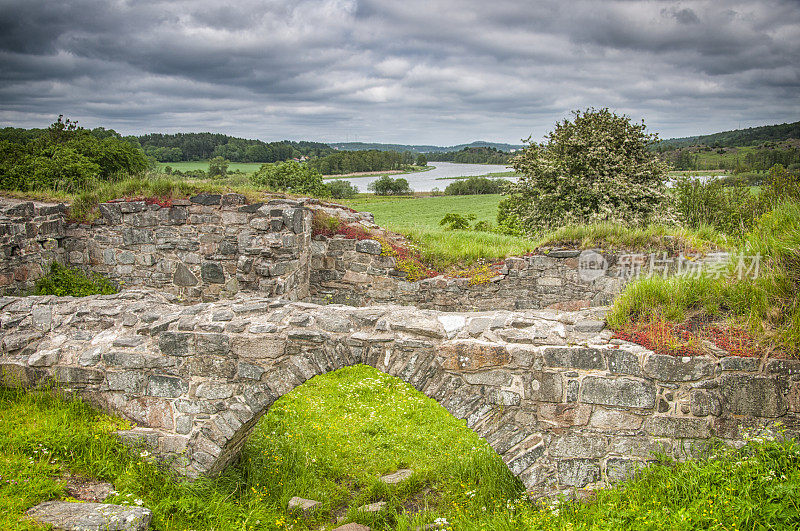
[[247, 167], [400, 213], [331, 438]]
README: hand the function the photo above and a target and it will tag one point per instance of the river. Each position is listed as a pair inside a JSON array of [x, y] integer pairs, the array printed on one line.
[[438, 177]]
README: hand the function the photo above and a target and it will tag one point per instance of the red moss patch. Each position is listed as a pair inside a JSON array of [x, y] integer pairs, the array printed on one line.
[[692, 338]]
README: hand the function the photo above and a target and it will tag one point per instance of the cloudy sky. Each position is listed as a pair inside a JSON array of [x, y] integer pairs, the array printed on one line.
[[410, 71]]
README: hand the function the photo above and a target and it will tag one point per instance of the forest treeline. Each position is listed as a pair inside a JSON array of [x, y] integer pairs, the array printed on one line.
[[343, 162], [736, 137], [473, 155], [202, 146]]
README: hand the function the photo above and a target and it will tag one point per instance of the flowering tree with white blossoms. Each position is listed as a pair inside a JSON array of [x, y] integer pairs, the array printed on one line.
[[595, 168]]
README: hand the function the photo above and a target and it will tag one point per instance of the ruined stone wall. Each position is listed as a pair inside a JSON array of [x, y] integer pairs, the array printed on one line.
[[205, 248], [30, 240], [564, 404], [347, 271]]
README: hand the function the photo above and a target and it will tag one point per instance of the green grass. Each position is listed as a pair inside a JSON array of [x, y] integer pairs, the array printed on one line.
[[331, 438], [655, 237], [768, 305], [247, 167]]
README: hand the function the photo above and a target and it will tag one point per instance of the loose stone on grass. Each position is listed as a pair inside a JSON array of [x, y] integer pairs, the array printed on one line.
[[303, 505], [74, 516], [397, 477]]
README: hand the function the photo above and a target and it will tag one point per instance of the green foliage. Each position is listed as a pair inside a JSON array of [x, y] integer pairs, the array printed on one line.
[[595, 168], [67, 158], [769, 305], [473, 155], [341, 189], [343, 162], [64, 281], [217, 168], [422, 160], [455, 221], [291, 177], [728, 204], [389, 186], [477, 185], [203, 146]]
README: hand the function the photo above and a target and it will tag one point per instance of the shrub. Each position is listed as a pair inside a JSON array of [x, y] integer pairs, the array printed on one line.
[[595, 168], [291, 177], [67, 158], [388, 186], [729, 209], [64, 281], [454, 221], [477, 186], [218, 168], [341, 189]]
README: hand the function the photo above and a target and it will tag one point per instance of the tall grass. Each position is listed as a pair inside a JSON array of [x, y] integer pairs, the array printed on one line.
[[767, 305]]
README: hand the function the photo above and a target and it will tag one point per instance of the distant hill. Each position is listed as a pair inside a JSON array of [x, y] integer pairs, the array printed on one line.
[[738, 137], [360, 146]]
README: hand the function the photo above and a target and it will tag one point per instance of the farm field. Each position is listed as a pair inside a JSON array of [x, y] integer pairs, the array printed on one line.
[[247, 167]]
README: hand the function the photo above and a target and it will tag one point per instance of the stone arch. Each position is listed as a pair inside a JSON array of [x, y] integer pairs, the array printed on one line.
[[563, 404], [415, 356]]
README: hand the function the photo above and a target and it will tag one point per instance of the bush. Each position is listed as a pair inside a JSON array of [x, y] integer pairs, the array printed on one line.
[[64, 281], [217, 168], [341, 189], [67, 158], [291, 177], [388, 186], [454, 221], [596, 168], [477, 186], [729, 209]]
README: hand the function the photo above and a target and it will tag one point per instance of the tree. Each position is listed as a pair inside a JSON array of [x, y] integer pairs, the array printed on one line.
[[291, 177], [595, 168], [217, 168], [422, 160], [388, 186], [341, 189]]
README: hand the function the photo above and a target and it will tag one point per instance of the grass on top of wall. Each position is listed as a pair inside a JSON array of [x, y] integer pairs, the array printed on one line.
[[331, 438], [764, 301]]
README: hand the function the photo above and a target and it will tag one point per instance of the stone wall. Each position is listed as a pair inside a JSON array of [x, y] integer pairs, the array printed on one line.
[[564, 404], [204, 248], [347, 271], [30, 240]]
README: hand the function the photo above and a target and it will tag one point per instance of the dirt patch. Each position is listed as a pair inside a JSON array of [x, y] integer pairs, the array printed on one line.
[[86, 489]]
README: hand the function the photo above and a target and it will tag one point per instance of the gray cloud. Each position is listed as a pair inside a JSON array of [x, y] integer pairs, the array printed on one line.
[[439, 72]]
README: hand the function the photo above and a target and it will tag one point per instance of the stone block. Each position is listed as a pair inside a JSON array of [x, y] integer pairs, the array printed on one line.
[[166, 386], [758, 396], [738, 363], [563, 415], [212, 273], [574, 358], [678, 427], [496, 378], [704, 403], [613, 420], [368, 247], [623, 362], [621, 392], [206, 199], [668, 368], [131, 382], [471, 354], [546, 386], [90, 516], [183, 276], [621, 469], [174, 343], [572, 446], [578, 472], [212, 344]]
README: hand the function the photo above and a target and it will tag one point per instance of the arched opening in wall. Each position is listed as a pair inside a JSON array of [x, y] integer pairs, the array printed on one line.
[[359, 438]]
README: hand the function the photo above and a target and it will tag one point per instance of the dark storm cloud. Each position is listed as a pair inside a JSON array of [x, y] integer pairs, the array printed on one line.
[[413, 71]]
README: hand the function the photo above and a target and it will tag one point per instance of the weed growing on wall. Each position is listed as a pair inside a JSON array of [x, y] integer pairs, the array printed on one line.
[[64, 281]]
